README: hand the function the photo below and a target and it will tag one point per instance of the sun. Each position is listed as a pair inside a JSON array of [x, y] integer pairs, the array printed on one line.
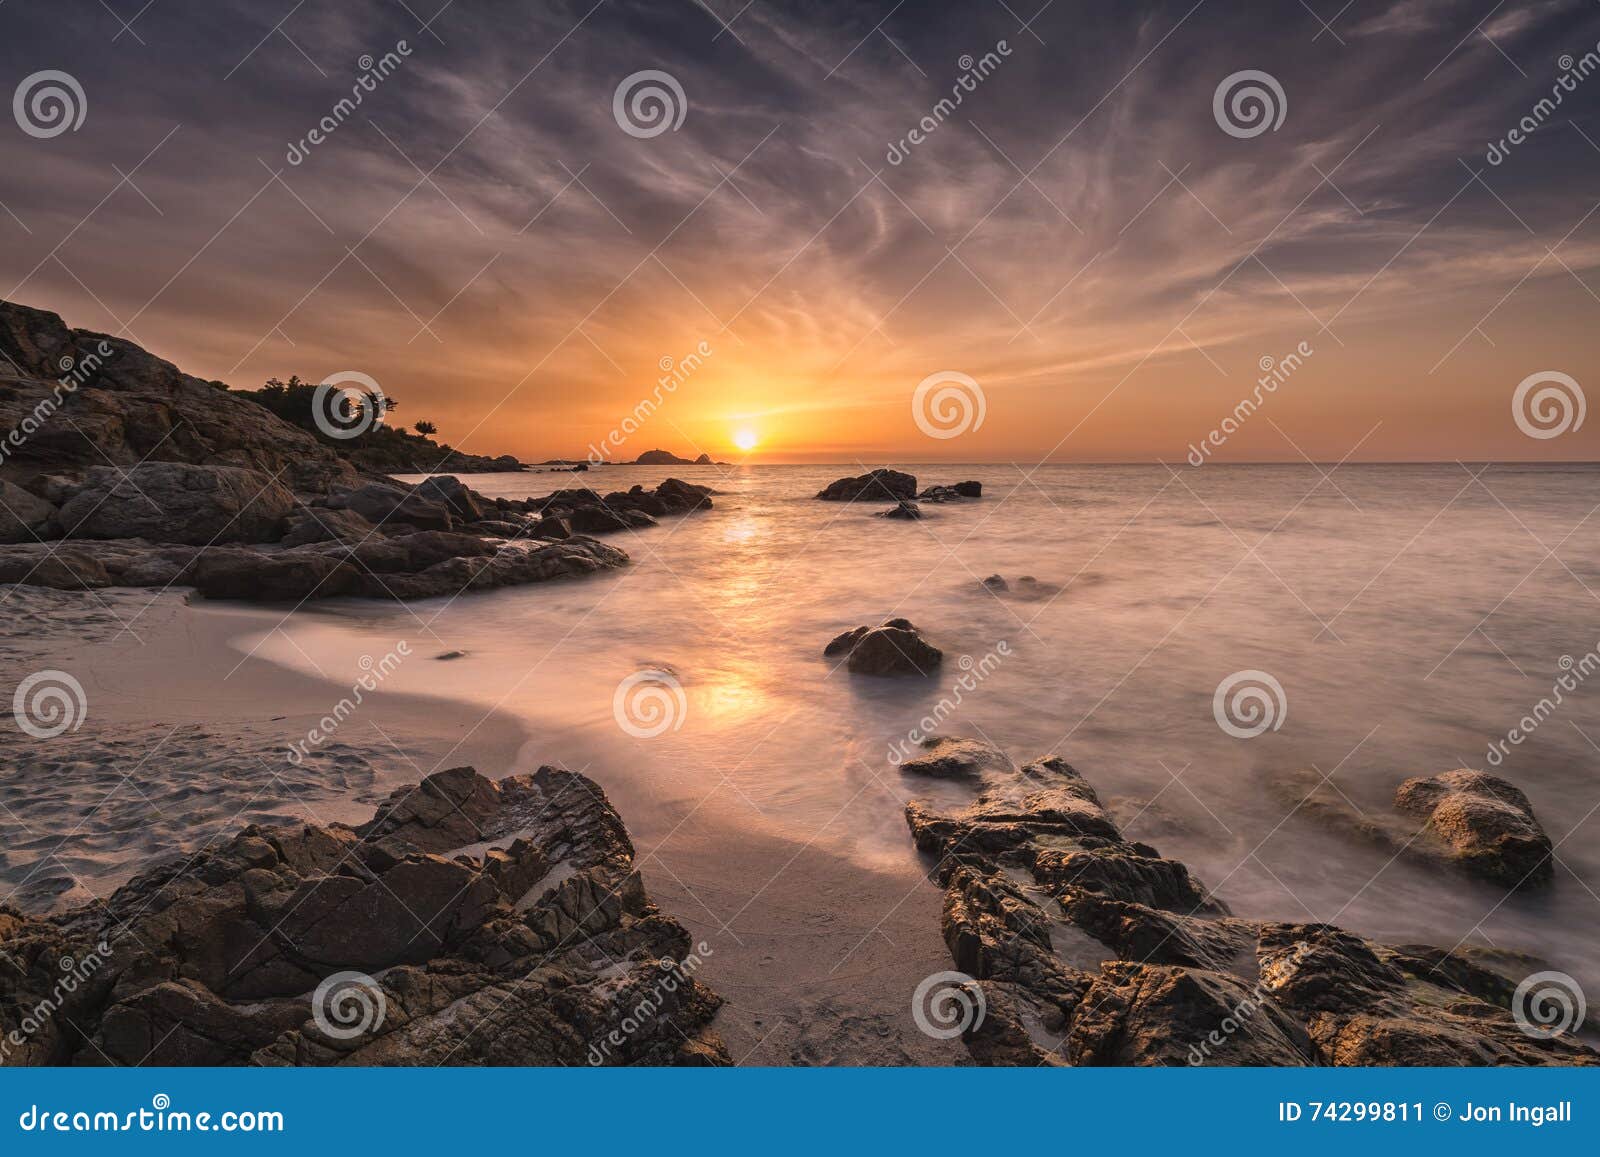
[[746, 440]]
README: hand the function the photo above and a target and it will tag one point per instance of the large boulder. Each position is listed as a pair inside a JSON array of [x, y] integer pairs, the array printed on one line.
[[283, 576], [383, 503], [893, 648], [177, 502], [876, 485], [464, 503], [470, 922], [1483, 824], [24, 517]]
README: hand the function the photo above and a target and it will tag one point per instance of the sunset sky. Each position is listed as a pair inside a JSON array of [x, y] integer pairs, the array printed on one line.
[[1080, 236]]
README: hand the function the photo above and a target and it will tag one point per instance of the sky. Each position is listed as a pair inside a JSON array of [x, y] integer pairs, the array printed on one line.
[[1096, 254]]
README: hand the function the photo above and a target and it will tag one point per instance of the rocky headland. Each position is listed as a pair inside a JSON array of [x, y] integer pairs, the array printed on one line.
[[120, 469]]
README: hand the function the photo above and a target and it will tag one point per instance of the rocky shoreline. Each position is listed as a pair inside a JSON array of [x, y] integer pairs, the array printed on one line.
[[122, 470], [468, 922], [1040, 885]]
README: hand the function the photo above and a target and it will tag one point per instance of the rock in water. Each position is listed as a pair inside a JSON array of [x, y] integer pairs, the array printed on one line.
[[947, 757], [876, 485], [905, 509], [1040, 886], [541, 950], [1482, 823], [894, 648]]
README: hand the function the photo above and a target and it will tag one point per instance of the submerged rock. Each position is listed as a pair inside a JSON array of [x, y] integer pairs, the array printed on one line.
[[949, 757], [1040, 887], [894, 648], [876, 485], [905, 510], [543, 949], [1482, 823]]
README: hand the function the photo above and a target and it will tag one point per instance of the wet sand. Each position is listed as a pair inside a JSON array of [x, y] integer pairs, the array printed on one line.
[[183, 740]]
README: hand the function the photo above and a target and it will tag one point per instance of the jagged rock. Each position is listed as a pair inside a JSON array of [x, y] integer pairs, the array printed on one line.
[[465, 504], [875, 485], [1482, 823], [969, 489], [1040, 886], [949, 757], [1146, 1014], [544, 949], [551, 527], [894, 648], [177, 502]]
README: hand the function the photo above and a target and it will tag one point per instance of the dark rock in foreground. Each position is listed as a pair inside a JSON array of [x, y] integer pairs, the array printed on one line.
[[1040, 888], [1481, 823], [952, 493], [875, 486], [543, 949], [894, 648]]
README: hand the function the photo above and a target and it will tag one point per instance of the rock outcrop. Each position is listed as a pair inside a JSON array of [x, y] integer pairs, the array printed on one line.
[[875, 486], [469, 922], [893, 648], [130, 460], [1481, 823], [952, 493], [1093, 949]]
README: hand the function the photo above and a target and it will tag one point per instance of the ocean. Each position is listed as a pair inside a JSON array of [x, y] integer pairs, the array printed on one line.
[[1381, 621]]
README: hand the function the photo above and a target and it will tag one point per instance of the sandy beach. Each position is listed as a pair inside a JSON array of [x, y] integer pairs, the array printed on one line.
[[184, 740]]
